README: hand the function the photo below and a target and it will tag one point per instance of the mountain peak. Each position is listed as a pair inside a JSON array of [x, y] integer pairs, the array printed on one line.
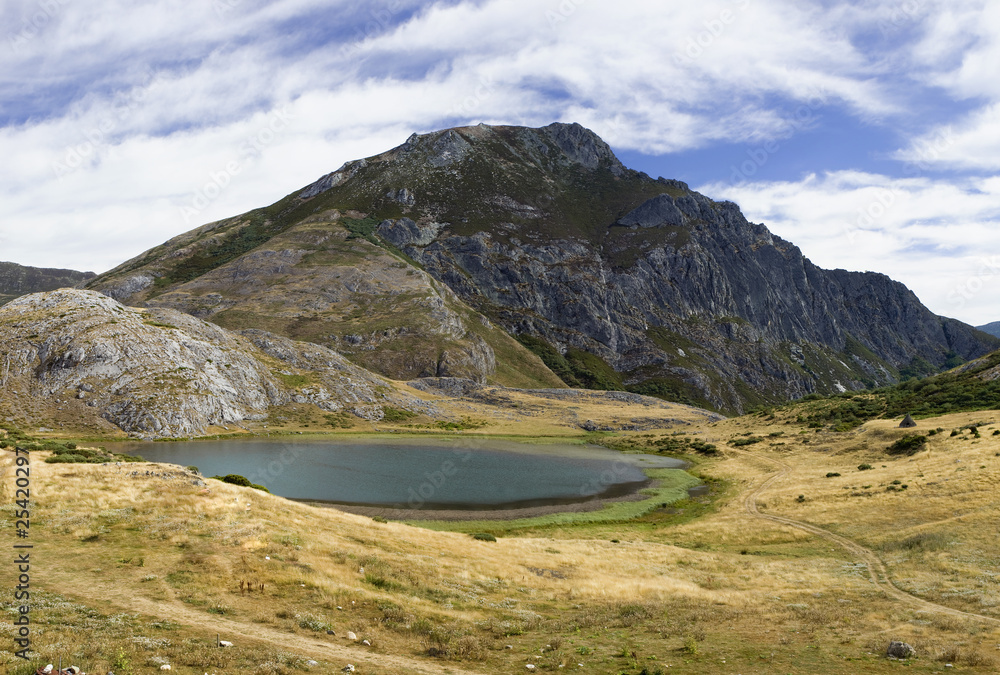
[[566, 143], [427, 258]]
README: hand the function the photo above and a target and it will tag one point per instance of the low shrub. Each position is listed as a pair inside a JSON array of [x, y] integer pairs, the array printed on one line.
[[908, 445], [741, 442], [396, 414], [242, 481], [865, 467], [483, 536]]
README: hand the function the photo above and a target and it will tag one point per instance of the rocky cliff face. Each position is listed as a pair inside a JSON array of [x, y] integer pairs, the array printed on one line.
[[17, 280], [162, 373], [614, 279]]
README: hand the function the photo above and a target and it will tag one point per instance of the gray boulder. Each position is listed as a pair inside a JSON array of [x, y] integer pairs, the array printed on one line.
[[900, 650]]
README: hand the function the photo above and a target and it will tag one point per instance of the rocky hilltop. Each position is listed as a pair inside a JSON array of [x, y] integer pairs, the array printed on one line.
[[160, 372], [425, 260], [17, 280]]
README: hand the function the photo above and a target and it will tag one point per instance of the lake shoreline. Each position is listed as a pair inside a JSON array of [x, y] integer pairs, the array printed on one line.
[[460, 515]]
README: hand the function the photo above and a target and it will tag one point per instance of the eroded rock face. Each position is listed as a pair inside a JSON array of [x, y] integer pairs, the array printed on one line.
[[685, 288], [162, 373]]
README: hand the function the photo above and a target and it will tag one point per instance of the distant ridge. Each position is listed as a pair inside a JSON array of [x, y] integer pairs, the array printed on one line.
[[991, 328], [17, 280]]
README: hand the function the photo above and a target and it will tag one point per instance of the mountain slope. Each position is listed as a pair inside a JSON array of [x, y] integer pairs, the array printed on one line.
[[991, 328], [971, 387], [17, 280], [614, 279]]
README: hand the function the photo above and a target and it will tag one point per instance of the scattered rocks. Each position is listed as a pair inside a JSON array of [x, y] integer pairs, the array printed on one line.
[[351, 636], [347, 669], [223, 643], [366, 643]]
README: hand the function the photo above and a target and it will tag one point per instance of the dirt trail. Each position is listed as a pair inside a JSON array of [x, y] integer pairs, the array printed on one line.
[[876, 568], [322, 646]]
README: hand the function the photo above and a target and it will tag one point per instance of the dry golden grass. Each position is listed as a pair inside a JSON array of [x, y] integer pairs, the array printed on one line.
[[761, 596]]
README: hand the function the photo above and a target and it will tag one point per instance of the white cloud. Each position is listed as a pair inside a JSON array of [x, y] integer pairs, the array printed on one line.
[[938, 238], [121, 113], [970, 143]]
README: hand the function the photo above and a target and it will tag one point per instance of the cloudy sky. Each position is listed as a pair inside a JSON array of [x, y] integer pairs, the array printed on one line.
[[866, 132]]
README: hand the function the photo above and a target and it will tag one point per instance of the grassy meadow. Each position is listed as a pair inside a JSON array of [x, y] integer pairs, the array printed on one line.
[[131, 572]]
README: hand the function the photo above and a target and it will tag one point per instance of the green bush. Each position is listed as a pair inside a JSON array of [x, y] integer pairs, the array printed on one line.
[[832, 475], [483, 536], [908, 445], [391, 414], [236, 479], [741, 442], [865, 467]]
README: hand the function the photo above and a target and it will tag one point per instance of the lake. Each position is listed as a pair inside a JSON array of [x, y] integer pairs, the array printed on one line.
[[461, 473]]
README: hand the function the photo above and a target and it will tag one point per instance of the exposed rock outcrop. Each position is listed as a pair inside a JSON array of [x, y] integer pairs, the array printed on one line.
[[162, 373]]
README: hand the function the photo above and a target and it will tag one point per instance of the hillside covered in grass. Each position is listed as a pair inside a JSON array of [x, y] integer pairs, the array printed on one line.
[[970, 387]]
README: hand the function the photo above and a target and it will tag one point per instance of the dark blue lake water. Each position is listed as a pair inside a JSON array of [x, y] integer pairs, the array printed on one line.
[[416, 473]]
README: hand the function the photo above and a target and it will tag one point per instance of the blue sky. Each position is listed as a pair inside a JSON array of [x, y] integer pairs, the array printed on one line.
[[866, 132]]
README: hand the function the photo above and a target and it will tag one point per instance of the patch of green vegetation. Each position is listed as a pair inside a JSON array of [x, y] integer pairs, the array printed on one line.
[[242, 481], [340, 420], [483, 536], [294, 381], [257, 230], [70, 453], [743, 442], [464, 424], [391, 414], [685, 444], [592, 371], [581, 369], [676, 390], [908, 445], [551, 357], [918, 367], [362, 229], [928, 397]]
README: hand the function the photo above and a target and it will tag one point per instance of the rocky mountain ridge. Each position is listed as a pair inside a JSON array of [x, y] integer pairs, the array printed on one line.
[[424, 260], [17, 280]]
